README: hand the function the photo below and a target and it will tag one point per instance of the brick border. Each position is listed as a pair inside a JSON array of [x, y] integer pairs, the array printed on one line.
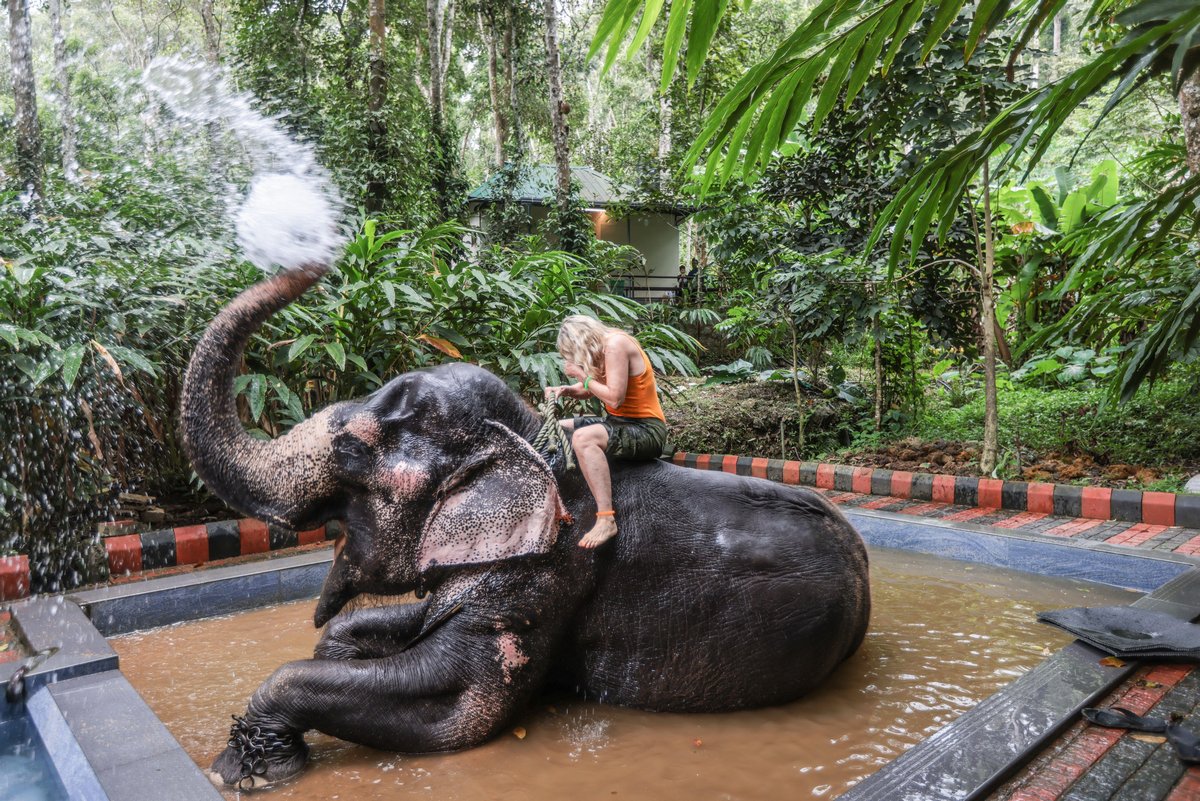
[[128, 554], [194, 545], [1063, 500], [14, 577]]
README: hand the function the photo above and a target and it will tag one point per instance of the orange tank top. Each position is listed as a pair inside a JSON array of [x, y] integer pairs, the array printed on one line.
[[641, 394]]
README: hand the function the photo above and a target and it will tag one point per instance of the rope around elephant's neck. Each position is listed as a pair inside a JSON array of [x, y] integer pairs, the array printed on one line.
[[552, 436]]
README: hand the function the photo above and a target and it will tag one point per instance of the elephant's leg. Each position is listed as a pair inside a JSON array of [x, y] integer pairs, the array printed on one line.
[[453, 689], [371, 633]]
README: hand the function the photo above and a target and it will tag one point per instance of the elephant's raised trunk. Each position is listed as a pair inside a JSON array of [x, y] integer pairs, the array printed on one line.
[[283, 481]]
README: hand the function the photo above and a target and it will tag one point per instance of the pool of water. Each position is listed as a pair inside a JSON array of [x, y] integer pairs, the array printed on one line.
[[944, 635], [25, 770]]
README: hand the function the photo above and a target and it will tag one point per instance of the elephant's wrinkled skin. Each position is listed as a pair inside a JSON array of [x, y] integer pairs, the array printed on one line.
[[720, 592]]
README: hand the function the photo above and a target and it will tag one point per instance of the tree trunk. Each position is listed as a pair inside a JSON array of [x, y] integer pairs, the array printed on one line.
[[877, 335], [987, 324], [212, 32], [487, 30], [440, 29], [433, 10], [1189, 108], [1057, 34], [377, 190], [665, 118], [796, 386], [25, 119], [511, 45], [62, 80], [558, 113]]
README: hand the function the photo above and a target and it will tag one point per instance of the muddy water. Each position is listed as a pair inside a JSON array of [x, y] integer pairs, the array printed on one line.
[[944, 635]]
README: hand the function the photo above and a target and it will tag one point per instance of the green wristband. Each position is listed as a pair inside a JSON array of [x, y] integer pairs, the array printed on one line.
[[585, 383]]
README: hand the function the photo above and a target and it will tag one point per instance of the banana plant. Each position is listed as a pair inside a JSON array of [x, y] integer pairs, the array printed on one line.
[[1024, 208]]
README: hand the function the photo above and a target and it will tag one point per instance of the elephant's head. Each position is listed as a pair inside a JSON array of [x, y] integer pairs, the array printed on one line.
[[431, 471]]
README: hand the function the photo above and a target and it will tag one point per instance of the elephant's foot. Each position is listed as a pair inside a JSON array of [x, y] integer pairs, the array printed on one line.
[[257, 757], [604, 530]]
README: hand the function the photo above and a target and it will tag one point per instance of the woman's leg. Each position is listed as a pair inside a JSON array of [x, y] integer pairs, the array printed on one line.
[[590, 443]]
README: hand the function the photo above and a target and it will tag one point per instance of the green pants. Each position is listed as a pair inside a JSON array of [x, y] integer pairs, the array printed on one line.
[[630, 438]]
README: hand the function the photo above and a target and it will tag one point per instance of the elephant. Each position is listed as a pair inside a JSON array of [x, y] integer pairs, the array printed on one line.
[[720, 592]]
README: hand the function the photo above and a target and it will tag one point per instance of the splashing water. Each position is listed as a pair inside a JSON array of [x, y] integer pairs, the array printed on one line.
[[289, 217], [287, 221]]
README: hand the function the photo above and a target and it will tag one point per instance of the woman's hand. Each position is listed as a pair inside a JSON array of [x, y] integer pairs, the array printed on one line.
[[574, 371], [571, 391]]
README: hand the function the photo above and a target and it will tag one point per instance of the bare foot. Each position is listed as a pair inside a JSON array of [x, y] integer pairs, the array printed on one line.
[[604, 530]]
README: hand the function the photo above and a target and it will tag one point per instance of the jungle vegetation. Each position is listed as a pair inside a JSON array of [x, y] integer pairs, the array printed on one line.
[[925, 213]]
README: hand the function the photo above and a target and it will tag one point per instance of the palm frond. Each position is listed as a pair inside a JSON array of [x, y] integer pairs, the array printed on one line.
[[938, 187]]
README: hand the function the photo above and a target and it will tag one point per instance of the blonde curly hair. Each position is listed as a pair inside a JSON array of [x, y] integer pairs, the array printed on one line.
[[581, 340]]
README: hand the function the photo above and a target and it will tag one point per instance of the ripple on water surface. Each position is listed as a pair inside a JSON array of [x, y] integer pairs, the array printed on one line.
[[944, 636]]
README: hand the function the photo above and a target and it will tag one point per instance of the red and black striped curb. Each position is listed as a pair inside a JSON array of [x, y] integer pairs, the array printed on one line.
[[1060, 500], [171, 547], [193, 545], [14, 577]]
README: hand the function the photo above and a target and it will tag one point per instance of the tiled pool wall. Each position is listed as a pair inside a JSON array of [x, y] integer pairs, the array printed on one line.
[[102, 739], [107, 744]]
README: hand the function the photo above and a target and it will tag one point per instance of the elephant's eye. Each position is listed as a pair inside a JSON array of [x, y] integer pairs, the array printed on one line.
[[351, 449]]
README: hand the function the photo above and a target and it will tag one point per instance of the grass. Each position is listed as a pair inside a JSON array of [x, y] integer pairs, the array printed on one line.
[[1158, 428]]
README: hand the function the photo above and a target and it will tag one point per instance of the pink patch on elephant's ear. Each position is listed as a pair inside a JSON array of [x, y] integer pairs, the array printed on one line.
[[508, 507]]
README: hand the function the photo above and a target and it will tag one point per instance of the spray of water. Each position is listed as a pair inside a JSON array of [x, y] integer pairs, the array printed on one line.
[[290, 215]]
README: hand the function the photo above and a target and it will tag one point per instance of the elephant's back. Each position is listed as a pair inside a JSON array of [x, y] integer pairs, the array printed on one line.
[[719, 592]]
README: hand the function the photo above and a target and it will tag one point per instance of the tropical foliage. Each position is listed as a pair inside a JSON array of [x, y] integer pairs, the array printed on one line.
[[901, 212]]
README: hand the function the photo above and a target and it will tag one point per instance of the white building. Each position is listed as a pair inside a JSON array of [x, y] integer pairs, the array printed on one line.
[[653, 230]]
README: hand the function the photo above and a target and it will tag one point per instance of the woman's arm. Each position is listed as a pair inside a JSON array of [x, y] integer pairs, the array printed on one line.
[[612, 390]]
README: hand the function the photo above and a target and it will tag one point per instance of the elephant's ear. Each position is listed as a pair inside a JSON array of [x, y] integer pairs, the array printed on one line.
[[503, 504]]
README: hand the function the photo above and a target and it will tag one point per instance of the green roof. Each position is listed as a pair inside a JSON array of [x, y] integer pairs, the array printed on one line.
[[535, 184]]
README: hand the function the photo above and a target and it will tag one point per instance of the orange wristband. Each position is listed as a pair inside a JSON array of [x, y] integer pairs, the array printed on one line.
[[609, 513]]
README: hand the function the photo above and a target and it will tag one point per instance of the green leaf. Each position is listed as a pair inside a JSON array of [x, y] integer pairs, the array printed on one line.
[[257, 397], [864, 62], [1107, 169], [837, 73], [72, 360], [1072, 210], [290, 400], [47, 367], [414, 297], [1046, 207], [900, 34], [673, 42], [299, 346], [132, 358], [706, 16], [338, 353], [984, 18], [947, 12], [649, 16], [389, 292]]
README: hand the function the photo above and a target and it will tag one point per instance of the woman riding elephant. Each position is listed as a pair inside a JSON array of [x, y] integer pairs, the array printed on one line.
[[610, 366], [721, 592]]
